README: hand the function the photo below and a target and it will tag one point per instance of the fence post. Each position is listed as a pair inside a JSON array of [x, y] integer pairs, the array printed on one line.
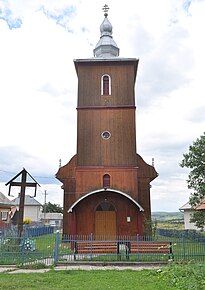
[[183, 246], [91, 246], [56, 247], [137, 252], [22, 244]]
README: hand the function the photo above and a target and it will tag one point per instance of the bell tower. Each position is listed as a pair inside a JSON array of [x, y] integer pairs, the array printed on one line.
[[106, 168], [106, 105], [106, 117]]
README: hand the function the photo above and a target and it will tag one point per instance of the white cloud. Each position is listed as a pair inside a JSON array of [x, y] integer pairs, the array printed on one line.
[[39, 84]]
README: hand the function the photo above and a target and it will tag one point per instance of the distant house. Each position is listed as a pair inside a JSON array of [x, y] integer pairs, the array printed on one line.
[[5, 209], [32, 208], [52, 218], [188, 211]]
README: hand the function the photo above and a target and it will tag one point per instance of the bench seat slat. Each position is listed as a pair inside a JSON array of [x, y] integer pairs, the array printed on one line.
[[96, 247], [150, 247]]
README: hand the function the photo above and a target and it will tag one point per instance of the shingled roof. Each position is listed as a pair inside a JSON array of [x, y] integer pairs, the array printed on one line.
[[29, 200], [186, 206], [4, 200], [201, 205]]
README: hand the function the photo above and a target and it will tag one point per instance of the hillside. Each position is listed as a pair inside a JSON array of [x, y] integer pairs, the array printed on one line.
[[167, 216], [174, 220]]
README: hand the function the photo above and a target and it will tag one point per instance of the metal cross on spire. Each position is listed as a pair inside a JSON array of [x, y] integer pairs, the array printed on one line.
[[105, 9]]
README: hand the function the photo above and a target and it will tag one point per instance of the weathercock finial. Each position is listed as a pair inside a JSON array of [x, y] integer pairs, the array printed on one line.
[[105, 9]]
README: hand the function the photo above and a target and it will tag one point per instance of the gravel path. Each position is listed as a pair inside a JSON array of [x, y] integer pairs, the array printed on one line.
[[81, 267]]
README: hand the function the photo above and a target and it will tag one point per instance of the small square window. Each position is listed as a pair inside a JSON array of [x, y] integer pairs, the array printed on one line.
[[4, 215]]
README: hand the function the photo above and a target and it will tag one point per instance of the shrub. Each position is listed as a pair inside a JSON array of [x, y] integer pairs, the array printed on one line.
[[27, 221]]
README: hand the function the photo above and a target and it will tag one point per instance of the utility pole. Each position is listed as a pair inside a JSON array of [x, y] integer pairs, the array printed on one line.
[[23, 184], [45, 193]]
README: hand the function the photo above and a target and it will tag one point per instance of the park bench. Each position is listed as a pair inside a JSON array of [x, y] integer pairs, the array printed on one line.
[[150, 247], [130, 247], [96, 247]]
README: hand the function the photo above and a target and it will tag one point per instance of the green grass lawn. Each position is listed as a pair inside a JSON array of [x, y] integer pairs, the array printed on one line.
[[186, 277], [45, 243]]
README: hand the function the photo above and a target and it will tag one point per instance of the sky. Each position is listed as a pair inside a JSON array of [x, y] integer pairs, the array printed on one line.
[[39, 39]]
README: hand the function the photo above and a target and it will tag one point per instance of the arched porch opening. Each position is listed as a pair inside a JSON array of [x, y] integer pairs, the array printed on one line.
[[106, 214]]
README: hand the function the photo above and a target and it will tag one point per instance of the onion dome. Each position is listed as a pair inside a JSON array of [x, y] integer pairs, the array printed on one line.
[[106, 46]]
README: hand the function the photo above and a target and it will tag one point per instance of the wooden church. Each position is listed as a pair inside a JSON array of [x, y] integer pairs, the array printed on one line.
[[106, 184]]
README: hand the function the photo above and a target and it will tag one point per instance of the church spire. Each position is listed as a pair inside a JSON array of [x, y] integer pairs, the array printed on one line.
[[106, 46]]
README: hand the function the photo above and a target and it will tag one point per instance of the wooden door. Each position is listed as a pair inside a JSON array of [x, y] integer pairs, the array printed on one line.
[[105, 224]]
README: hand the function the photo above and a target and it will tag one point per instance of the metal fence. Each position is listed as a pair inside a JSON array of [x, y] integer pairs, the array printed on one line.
[[137, 249], [49, 247], [36, 245]]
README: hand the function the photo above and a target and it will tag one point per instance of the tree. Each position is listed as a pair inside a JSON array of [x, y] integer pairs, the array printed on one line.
[[195, 160], [52, 207]]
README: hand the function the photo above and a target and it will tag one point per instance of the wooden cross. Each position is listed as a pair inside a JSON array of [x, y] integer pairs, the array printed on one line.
[[23, 184]]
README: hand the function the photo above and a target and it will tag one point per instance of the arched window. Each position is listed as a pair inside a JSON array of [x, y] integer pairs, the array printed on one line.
[[105, 85], [105, 206], [106, 181]]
